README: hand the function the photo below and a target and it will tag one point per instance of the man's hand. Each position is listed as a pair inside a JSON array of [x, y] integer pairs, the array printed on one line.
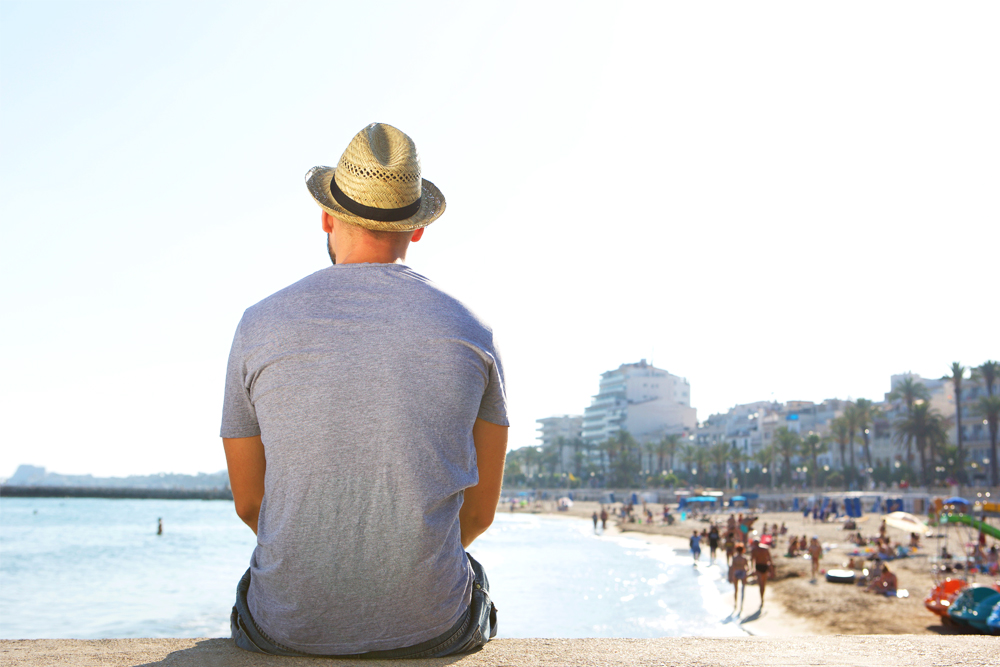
[[481, 500], [245, 459]]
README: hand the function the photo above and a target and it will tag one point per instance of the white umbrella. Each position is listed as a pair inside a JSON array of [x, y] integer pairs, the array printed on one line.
[[905, 521]]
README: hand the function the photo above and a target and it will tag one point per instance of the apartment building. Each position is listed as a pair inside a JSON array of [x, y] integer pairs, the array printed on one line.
[[646, 401]]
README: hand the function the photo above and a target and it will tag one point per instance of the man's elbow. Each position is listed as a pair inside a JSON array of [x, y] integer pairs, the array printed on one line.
[[481, 522], [248, 511], [478, 521]]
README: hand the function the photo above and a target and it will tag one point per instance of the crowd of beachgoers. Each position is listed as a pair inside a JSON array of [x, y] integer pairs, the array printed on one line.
[[892, 569]]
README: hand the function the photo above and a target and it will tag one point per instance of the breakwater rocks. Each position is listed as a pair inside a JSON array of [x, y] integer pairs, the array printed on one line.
[[14, 491]]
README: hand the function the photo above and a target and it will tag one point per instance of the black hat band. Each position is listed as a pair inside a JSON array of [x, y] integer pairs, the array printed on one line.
[[370, 212]]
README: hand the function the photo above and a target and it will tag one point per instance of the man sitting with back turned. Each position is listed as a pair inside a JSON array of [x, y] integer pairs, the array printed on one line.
[[365, 429]]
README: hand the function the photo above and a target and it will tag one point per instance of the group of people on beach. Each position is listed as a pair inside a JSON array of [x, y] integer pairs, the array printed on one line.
[[746, 562]]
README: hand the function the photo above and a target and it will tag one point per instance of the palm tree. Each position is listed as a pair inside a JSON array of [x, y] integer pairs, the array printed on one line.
[[866, 413], [988, 372], [720, 457], [740, 458], [928, 429], [764, 457], [841, 429], [989, 407], [787, 445], [957, 373], [910, 391], [667, 448], [812, 447], [851, 417]]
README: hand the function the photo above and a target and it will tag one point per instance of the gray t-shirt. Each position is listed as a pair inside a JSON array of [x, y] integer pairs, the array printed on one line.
[[364, 382]]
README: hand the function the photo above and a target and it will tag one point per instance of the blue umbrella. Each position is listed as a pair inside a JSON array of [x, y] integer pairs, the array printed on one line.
[[955, 500], [738, 499]]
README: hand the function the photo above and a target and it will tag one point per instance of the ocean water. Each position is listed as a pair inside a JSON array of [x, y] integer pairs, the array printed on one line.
[[95, 568]]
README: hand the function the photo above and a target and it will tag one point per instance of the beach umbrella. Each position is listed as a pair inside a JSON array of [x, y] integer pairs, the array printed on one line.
[[957, 500], [905, 521]]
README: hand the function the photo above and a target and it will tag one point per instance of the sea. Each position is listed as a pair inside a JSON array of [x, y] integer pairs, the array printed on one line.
[[96, 568]]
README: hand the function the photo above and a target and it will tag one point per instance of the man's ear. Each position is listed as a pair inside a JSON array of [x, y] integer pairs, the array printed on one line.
[[417, 235], [327, 222]]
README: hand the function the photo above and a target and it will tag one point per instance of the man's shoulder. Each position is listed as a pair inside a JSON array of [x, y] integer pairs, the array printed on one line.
[[395, 285]]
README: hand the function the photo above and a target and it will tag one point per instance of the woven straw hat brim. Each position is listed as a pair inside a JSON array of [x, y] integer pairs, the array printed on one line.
[[431, 204]]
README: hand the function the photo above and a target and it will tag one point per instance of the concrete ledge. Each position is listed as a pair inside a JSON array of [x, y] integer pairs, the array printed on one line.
[[853, 651]]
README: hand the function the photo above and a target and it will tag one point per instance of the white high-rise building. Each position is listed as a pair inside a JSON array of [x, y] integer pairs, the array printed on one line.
[[567, 427], [646, 401]]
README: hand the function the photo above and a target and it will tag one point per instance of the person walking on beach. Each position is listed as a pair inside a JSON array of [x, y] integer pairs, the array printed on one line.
[[159, 526], [713, 542], [738, 576], [815, 554], [595, 517], [604, 519], [695, 546], [365, 430], [762, 564]]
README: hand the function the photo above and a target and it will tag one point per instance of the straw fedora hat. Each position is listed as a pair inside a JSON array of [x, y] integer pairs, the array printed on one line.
[[377, 183]]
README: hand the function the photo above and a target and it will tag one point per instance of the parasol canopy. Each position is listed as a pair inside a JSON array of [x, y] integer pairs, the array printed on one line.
[[905, 521], [957, 500]]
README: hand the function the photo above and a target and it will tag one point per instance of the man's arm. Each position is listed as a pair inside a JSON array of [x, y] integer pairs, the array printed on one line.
[[481, 500], [245, 460]]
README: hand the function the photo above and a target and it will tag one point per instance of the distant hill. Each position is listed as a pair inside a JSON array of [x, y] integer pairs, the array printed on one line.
[[37, 476]]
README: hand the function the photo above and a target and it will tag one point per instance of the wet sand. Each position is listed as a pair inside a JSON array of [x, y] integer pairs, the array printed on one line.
[[795, 604], [774, 621]]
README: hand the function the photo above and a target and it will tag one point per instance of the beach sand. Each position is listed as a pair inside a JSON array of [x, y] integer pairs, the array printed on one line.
[[794, 604]]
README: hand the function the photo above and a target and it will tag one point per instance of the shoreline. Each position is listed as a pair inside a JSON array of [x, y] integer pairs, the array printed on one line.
[[797, 605], [775, 621]]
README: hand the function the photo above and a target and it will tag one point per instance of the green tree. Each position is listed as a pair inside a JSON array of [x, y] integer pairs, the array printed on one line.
[[719, 455], [957, 374], [841, 430], [764, 457], [909, 391], [852, 418], [926, 428], [812, 446], [666, 449], [787, 444], [988, 407], [866, 414], [624, 462]]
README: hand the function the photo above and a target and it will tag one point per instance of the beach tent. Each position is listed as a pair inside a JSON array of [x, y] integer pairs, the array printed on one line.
[[795, 504], [893, 505], [852, 507], [635, 498], [877, 505]]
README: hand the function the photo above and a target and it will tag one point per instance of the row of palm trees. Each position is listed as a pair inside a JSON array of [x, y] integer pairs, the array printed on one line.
[[920, 427]]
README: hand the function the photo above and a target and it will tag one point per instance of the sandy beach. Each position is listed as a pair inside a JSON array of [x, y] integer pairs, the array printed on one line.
[[795, 604]]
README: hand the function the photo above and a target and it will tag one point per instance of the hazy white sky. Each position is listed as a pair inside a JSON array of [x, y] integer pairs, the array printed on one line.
[[789, 199]]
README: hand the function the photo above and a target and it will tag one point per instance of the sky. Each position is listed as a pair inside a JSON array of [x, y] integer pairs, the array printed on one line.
[[777, 200]]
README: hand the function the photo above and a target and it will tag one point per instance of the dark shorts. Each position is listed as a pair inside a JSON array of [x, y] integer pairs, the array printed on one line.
[[762, 567], [471, 632]]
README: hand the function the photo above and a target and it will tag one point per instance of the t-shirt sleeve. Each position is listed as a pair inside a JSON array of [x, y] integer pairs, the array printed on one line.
[[493, 407], [239, 418]]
